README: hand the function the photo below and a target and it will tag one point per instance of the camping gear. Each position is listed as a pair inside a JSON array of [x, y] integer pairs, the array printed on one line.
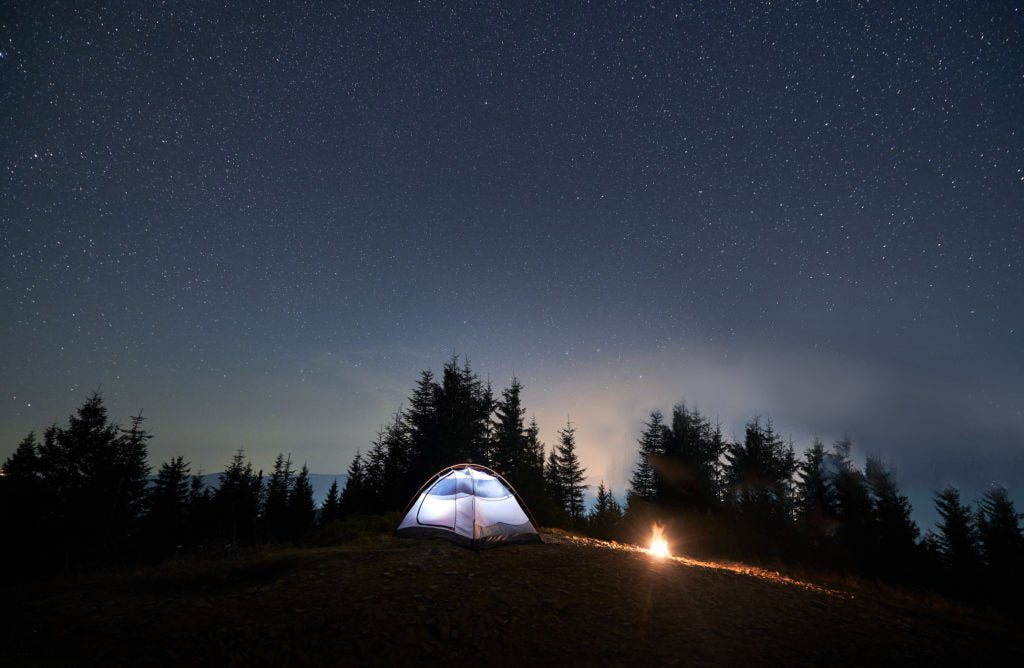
[[470, 505]]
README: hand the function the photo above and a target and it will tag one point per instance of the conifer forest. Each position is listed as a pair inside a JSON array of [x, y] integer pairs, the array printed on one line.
[[85, 494]]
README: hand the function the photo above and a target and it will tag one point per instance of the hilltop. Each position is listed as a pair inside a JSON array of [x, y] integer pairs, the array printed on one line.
[[385, 600]]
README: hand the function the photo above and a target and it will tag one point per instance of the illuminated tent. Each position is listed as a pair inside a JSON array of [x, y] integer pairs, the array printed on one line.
[[470, 505]]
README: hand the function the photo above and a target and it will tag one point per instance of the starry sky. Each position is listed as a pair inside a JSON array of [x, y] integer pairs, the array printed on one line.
[[259, 221]]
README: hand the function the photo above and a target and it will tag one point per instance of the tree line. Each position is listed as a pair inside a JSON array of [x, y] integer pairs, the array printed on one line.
[[755, 499], [86, 494]]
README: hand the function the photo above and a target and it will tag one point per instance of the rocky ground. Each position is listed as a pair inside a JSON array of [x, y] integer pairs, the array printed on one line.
[[387, 601]]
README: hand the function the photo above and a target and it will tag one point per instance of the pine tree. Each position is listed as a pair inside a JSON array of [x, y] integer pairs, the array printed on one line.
[[22, 481], [999, 534], [714, 449], [814, 502], [374, 472], [24, 506], [396, 466], [200, 524], [86, 448], [423, 424], [353, 495], [554, 490], [957, 538], [301, 508], [464, 407], [55, 472], [853, 507], [483, 440], [168, 503], [644, 483], [331, 508], [237, 499], [759, 472], [96, 476], [759, 482], [510, 457], [531, 481], [895, 533], [570, 474], [606, 517], [276, 518], [132, 469], [930, 550], [689, 463], [24, 463]]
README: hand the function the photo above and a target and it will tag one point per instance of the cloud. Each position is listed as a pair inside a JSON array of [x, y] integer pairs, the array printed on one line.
[[918, 418]]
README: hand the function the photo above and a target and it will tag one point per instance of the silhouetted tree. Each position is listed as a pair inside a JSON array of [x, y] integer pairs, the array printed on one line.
[[353, 496], [25, 506], [687, 469], [895, 533], [999, 534], [77, 457], [374, 472], [422, 422], [95, 474], [605, 519], [484, 440], [715, 448], [643, 485], [932, 571], [301, 508], [168, 502], [554, 491], [464, 407], [814, 502], [24, 463], [397, 485], [276, 518], [759, 478], [510, 457], [853, 509], [202, 522], [237, 500], [331, 508], [570, 474], [131, 470], [957, 538], [760, 471], [530, 478]]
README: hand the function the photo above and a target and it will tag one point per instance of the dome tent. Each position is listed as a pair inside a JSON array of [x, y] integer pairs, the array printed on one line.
[[470, 505]]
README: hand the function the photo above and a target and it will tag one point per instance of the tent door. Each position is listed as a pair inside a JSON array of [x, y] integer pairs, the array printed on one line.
[[465, 516]]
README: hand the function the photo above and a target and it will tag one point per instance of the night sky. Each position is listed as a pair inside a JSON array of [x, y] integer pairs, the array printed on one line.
[[260, 222]]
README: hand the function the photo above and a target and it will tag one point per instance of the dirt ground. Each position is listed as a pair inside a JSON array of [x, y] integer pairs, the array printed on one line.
[[569, 601]]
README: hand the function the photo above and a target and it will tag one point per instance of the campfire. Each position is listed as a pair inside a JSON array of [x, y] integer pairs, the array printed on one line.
[[659, 546]]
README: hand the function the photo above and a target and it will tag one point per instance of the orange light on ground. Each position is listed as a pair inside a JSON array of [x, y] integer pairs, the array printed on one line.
[[734, 567], [659, 546]]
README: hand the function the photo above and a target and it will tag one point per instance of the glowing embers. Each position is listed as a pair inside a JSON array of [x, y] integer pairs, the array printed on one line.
[[659, 546]]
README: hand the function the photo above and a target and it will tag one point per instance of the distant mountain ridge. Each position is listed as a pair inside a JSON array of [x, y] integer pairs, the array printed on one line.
[[321, 482]]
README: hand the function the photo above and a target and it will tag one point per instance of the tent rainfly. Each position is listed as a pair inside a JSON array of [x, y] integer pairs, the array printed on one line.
[[470, 505]]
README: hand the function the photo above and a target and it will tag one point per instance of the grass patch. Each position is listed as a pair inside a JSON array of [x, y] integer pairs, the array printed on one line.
[[353, 528]]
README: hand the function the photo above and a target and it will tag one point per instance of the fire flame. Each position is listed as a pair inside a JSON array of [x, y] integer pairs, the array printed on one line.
[[659, 546]]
